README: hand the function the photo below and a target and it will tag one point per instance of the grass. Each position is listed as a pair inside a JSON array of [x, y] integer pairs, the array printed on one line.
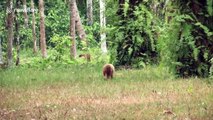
[[80, 92]]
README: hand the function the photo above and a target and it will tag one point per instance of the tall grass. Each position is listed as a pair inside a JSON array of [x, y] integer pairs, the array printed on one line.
[[27, 77]]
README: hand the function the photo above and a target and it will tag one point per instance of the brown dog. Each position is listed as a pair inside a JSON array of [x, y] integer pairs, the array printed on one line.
[[108, 71]]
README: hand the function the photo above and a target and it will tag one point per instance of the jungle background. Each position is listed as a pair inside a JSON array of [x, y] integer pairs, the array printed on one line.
[[162, 51]]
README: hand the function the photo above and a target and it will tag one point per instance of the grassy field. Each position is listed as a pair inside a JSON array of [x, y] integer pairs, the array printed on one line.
[[80, 92]]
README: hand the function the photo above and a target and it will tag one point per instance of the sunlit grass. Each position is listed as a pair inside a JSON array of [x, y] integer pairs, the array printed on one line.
[[80, 92]]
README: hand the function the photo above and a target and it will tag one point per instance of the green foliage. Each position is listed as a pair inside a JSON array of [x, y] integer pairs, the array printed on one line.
[[49, 62], [183, 46], [97, 56], [55, 21], [26, 37], [59, 56], [111, 12], [211, 69], [93, 34], [61, 47], [134, 40], [2, 22], [210, 7], [126, 8], [168, 44], [204, 28]]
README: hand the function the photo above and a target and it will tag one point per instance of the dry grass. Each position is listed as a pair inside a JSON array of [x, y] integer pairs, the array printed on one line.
[[183, 99]]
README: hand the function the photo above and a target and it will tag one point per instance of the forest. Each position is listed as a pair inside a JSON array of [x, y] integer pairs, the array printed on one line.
[[106, 59]]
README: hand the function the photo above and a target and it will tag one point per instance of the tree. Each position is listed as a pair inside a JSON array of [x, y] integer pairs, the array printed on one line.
[[42, 29], [89, 12], [33, 28], [103, 26], [25, 13], [10, 36], [79, 25], [17, 34], [1, 56], [73, 51]]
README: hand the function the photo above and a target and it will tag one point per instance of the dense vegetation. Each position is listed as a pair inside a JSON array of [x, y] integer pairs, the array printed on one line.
[[52, 53], [174, 34], [177, 34]]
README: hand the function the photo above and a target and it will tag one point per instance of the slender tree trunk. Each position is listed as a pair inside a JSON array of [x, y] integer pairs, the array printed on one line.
[[103, 26], [79, 25], [25, 13], [73, 52], [42, 29], [89, 12], [1, 56], [9, 32], [33, 28], [17, 35]]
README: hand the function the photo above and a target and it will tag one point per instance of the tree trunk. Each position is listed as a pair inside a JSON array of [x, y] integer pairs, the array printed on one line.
[[1, 56], [73, 52], [89, 12], [17, 34], [42, 29], [25, 13], [79, 25], [103, 26], [9, 32], [33, 28]]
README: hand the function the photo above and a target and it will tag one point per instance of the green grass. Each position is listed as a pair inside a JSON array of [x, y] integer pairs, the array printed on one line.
[[80, 92]]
